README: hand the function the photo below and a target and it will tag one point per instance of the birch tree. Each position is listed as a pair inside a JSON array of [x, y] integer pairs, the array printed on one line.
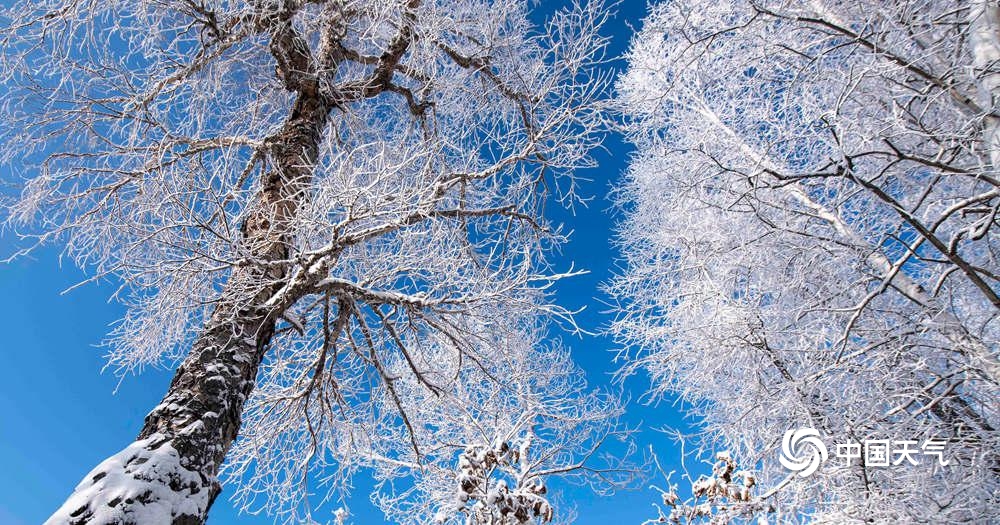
[[810, 240], [299, 198]]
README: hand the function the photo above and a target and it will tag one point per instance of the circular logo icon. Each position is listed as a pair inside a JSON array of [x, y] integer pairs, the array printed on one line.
[[802, 451]]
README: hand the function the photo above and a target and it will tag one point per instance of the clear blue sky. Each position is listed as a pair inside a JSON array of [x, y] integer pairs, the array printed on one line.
[[60, 416]]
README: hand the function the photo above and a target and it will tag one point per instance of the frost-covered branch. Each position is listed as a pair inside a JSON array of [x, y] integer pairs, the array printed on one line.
[[811, 237]]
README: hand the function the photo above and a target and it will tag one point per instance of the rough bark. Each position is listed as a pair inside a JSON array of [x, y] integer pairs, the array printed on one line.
[[170, 473]]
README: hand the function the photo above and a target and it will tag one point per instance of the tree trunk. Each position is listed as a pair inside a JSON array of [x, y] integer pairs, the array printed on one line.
[[984, 40], [169, 475]]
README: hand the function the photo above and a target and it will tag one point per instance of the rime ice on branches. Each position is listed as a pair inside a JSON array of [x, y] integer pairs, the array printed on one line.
[[315, 207], [811, 237]]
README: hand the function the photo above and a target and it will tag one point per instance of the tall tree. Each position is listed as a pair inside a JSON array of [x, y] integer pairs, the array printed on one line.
[[810, 239], [297, 197]]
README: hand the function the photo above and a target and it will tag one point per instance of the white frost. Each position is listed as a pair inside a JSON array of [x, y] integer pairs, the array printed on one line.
[[145, 471]]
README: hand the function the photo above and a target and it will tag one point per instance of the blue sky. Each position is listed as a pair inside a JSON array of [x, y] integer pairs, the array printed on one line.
[[60, 415]]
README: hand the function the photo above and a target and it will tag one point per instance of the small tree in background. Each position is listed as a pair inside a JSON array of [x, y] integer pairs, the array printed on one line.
[[506, 445]]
